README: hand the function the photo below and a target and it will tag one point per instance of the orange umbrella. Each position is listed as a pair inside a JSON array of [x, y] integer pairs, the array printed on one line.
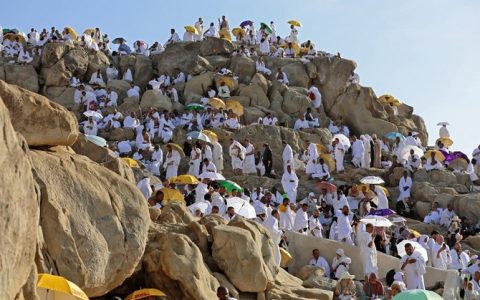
[[236, 107], [328, 159], [229, 81], [216, 103]]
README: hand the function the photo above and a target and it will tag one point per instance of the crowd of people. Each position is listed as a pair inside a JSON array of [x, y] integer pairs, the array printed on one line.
[[342, 213]]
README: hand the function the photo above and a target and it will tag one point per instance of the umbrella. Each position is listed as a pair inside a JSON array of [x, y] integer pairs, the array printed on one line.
[[229, 81], [417, 295], [295, 23], [235, 106], [195, 106], [372, 180], [266, 28], [295, 47], [92, 113], [343, 140], [191, 29], [212, 135], [171, 195], [360, 188], [377, 221], [438, 155], [229, 185], [321, 148], [238, 32], [99, 141], [211, 176], [242, 207], [57, 287], [72, 32], [225, 34], [416, 247], [386, 98], [131, 162], [443, 124], [202, 206], [246, 23], [119, 40], [328, 159], [393, 135], [446, 141], [382, 212], [458, 164], [144, 293], [177, 148], [89, 31], [184, 179], [397, 219], [199, 135], [12, 36], [406, 151], [216, 103], [330, 187]]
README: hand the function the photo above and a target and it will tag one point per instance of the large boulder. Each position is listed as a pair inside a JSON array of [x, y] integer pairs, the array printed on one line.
[[237, 254], [243, 67], [52, 52], [74, 61], [256, 94], [468, 205], [101, 220], [97, 61], [18, 211], [24, 76], [197, 86], [295, 103], [154, 98], [143, 71], [181, 57], [216, 46], [61, 95], [174, 264], [120, 87], [252, 114], [297, 75], [39, 120]]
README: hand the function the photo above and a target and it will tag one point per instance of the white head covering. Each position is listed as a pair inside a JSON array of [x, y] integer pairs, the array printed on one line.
[[340, 252], [398, 276]]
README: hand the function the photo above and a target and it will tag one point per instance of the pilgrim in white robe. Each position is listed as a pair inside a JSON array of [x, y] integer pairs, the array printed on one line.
[[127, 76], [300, 224], [317, 101], [459, 261], [382, 198], [217, 156], [446, 216], [90, 127], [195, 160], [97, 79], [172, 161], [286, 219], [290, 185], [144, 187], [339, 155], [200, 191], [405, 187], [368, 253], [414, 272], [249, 163], [301, 124], [366, 153], [358, 149], [344, 229], [430, 166], [443, 132], [237, 154], [261, 68], [321, 171], [315, 227], [312, 158], [441, 257], [271, 223], [413, 162], [287, 158], [321, 263]]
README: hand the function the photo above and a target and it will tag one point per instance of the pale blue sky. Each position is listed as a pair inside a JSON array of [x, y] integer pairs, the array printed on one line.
[[426, 52]]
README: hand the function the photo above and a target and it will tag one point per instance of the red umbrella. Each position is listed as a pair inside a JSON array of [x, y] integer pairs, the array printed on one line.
[[330, 187]]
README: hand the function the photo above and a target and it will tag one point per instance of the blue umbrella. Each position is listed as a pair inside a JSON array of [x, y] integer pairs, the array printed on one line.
[[246, 23], [393, 135], [382, 212]]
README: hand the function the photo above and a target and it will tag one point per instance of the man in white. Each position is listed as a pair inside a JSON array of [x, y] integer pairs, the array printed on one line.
[[156, 161], [344, 227], [322, 170], [317, 97], [433, 216], [368, 250], [237, 154], [211, 31], [195, 160], [339, 151], [300, 223], [358, 150], [340, 263], [443, 132], [432, 163], [286, 216], [459, 258], [90, 127], [261, 68], [172, 161], [249, 163], [381, 196], [413, 266], [144, 187], [133, 91], [312, 157], [97, 78], [264, 46], [271, 223], [405, 186], [112, 72], [320, 262], [287, 156], [301, 123], [199, 26], [315, 225], [131, 121], [290, 184], [112, 98], [447, 215], [414, 162], [173, 37], [281, 76], [201, 190], [217, 156]]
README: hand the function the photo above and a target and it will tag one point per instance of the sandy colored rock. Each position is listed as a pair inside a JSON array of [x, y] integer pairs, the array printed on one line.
[[243, 67], [261, 81], [256, 94], [211, 221], [252, 114], [24, 76], [154, 98], [120, 87], [143, 71], [295, 103], [119, 134], [183, 57], [53, 52], [61, 95], [197, 86], [18, 210], [39, 120], [215, 46], [101, 220], [223, 281], [297, 75]]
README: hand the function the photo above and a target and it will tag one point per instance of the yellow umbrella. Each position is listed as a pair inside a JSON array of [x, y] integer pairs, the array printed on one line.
[[131, 162], [295, 47], [286, 258], [235, 106], [184, 179], [67, 290], [415, 233], [12, 36], [327, 158], [144, 293], [295, 23], [458, 164], [89, 31], [225, 34], [360, 187], [229, 81], [72, 32], [238, 32], [212, 135], [438, 155], [191, 29], [321, 148], [446, 141], [389, 99], [177, 148], [172, 195], [216, 103], [395, 102]]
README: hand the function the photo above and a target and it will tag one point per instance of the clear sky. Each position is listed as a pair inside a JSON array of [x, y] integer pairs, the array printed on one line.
[[424, 52]]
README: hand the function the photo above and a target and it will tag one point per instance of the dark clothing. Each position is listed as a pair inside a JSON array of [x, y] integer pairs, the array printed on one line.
[[187, 149], [267, 160]]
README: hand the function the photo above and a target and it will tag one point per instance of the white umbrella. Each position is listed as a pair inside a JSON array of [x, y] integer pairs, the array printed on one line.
[[405, 153], [345, 141], [202, 206], [211, 176], [377, 221], [242, 207], [92, 113], [397, 219], [416, 247], [372, 180], [443, 123], [99, 141]]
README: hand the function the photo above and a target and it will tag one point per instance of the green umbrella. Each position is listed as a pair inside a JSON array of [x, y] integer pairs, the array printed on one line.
[[229, 185], [194, 106], [417, 295], [266, 28]]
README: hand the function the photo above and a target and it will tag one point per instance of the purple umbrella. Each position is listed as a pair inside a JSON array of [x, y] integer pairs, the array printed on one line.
[[454, 155], [382, 212], [246, 23]]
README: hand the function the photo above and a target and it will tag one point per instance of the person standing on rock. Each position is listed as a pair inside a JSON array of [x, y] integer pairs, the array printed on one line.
[[267, 159], [249, 163], [195, 160], [237, 154], [344, 226], [312, 154], [172, 161], [217, 156], [368, 251], [290, 184], [413, 265], [199, 26], [287, 156], [339, 152], [377, 152], [271, 223], [358, 150]]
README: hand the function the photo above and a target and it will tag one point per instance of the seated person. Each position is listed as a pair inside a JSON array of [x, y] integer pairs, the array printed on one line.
[[432, 163], [301, 123], [97, 78], [322, 171], [414, 162], [223, 90], [319, 261], [232, 122], [340, 264], [373, 288], [269, 120], [281, 76], [312, 121]]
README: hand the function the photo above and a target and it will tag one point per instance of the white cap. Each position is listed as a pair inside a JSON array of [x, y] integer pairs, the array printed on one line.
[[340, 252], [189, 138]]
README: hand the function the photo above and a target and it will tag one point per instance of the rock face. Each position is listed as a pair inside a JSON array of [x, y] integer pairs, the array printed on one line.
[[101, 221], [24, 76], [153, 98], [216, 46], [181, 57], [39, 120], [18, 212]]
